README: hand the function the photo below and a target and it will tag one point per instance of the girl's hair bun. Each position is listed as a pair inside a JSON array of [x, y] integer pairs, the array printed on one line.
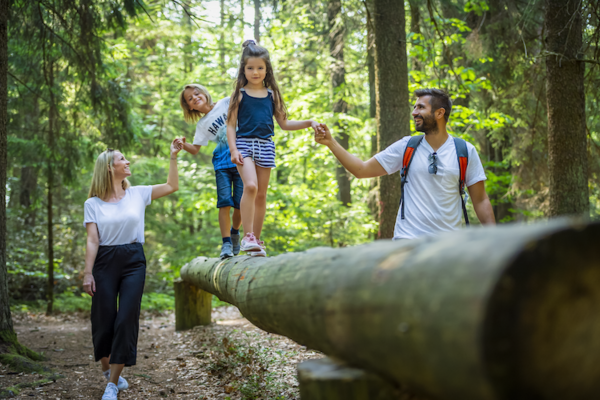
[[248, 42]]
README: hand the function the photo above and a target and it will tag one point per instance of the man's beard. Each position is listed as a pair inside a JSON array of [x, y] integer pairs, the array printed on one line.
[[428, 125]]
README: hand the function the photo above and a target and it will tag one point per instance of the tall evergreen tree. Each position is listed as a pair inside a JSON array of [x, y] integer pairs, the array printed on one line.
[[393, 112], [338, 83], [77, 25], [567, 139]]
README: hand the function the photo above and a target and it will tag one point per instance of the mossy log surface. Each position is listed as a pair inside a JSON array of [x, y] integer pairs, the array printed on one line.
[[507, 312]]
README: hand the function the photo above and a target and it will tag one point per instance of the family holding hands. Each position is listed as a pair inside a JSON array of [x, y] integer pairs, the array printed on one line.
[[242, 127]]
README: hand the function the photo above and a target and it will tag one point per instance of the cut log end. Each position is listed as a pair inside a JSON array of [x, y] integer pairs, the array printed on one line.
[[543, 325], [193, 306]]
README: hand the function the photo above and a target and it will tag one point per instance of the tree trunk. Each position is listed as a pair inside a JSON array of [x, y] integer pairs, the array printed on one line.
[[567, 139], [12, 353], [222, 37], [338, 83], [415, 16], [257, 18], [373, 191], [5, 318], [393, 112], [507, 312], [193, 306], [242, 16], [52, 114], [188, 64]]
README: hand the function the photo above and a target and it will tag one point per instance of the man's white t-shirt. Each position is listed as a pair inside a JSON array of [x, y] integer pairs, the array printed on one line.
[[432, 202], [121, 222]]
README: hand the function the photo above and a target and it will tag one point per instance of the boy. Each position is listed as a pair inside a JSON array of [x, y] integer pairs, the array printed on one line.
[[197, 105]]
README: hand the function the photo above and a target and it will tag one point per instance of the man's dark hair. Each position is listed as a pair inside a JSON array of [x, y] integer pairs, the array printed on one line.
[[439, 99]]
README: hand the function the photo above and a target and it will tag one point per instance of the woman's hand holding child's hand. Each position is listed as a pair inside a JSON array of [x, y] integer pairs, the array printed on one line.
[[177, 145], [180, 142]]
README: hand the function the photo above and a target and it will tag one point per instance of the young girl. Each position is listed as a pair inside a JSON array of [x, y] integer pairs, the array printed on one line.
[[253, 104]]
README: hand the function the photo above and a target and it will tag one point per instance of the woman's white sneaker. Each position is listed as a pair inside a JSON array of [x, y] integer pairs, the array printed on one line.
[[111, 391], [122, 384]]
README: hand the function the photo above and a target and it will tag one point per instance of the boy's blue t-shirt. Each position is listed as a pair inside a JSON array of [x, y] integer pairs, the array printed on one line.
[[213, 127]]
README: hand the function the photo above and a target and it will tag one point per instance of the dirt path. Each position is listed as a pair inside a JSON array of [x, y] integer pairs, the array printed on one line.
[[230, 359]]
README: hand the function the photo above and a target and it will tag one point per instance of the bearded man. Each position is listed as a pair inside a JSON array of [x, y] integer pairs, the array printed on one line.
[[432, 196]]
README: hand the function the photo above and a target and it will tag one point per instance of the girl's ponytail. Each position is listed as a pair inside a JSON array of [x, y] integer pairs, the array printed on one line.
[[250, 50]]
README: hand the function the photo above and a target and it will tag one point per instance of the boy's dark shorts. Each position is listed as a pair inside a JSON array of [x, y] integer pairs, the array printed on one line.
[[229, 188]]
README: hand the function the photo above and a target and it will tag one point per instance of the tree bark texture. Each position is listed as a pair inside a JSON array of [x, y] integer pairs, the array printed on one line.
[[567, 139], [393, 112], [338, 82], [5, 318], [508, 312], [257, 18], [52, 126], [222, 37], [374, 190]]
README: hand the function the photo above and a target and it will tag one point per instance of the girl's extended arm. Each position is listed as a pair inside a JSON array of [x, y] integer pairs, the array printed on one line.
[[190, 148], [172, 184], [288, 125], [93, 241], [236, 156]]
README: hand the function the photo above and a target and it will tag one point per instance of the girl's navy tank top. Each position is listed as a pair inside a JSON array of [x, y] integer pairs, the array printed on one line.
[[255, 116]]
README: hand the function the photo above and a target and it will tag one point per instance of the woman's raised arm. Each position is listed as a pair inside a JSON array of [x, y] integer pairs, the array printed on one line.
[[172, 184]]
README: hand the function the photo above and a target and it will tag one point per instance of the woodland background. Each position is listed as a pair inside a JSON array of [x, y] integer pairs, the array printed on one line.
[[104, 73]]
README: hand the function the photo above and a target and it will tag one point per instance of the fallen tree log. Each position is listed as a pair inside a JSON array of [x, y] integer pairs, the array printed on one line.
[[508, 312]]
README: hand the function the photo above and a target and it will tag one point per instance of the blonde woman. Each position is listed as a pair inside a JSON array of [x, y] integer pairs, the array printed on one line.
[[115, 265]]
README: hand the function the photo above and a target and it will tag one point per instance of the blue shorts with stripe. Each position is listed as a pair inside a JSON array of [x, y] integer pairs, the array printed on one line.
[[262, 151]]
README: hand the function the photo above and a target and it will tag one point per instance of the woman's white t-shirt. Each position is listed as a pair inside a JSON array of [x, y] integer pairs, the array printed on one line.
[[121, 222], [433, 202]]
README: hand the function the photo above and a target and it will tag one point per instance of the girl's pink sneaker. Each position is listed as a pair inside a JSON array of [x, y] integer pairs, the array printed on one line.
[[249, 243], [259, 253]]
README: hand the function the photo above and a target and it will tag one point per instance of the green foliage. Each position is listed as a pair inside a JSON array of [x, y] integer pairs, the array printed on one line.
[[123, 92]]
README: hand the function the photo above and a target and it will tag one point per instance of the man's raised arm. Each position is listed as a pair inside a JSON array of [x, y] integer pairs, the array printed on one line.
[[356, 166]]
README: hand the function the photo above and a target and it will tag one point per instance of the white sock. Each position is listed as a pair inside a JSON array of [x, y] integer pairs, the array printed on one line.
[[107, 374]]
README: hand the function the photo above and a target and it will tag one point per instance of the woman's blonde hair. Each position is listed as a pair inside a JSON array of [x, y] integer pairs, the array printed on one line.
[[193, 115], [102, 181]]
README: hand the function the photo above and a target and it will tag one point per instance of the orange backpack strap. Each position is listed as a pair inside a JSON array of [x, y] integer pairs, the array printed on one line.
[[413, 143], [462, 155]]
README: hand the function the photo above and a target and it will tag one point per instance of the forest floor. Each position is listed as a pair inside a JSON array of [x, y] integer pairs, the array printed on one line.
[[229, 359]]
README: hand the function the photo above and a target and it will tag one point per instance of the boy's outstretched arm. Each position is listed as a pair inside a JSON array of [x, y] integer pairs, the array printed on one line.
[[356, 166], [190, 148]]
